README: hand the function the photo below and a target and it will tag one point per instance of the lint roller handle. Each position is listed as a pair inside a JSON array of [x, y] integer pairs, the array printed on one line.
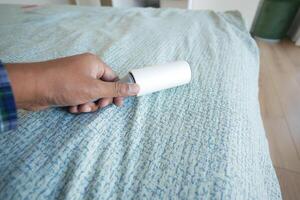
[[159, 77]]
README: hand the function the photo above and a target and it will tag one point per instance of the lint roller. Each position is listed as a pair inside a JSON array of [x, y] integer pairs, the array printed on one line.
[[159, 77]]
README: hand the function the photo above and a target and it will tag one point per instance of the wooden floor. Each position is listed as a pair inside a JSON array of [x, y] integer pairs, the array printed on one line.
[[280, 107]]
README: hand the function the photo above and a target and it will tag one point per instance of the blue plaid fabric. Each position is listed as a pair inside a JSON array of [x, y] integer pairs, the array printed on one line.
[[8, 112]]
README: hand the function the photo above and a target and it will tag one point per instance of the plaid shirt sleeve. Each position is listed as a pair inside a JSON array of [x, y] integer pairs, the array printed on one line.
[[8, 112]]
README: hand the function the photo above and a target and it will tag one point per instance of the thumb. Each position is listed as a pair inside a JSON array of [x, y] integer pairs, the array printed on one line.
[[116, 89]]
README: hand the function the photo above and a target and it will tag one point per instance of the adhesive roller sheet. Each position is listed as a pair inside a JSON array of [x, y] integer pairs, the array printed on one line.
[[159, 77]]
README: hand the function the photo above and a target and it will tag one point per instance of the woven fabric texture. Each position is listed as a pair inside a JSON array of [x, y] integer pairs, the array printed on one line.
[[204, 140]]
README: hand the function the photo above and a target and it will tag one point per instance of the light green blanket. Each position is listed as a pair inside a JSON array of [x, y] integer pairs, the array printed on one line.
[[204, 140]]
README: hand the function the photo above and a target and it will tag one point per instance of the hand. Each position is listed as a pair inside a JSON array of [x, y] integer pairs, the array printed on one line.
[[74, 81]]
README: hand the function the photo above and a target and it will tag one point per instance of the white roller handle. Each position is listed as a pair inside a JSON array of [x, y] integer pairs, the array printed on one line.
[[159, 77]]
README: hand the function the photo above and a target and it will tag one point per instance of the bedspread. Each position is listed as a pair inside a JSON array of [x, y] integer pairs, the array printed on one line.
[[204, 140]]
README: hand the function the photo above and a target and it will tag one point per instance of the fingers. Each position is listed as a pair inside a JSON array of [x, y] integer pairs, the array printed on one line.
[[105, 73], [84, 108], [110, 76], [94, 106], [73, 109], [88, 107], [91, 106], [115, 89], [109, 87], [108, 73], [104, 102], [118, 101], [103, 86]]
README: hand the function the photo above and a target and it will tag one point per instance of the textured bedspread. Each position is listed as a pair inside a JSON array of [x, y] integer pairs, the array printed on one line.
[[204, 140]]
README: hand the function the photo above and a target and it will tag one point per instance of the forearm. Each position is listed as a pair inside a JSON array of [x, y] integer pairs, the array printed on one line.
[[25, 83]]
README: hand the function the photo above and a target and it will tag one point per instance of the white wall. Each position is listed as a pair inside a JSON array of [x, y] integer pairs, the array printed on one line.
[[88, 2], [38, 2], [294, 31], [246, 7], [126, 3], [174, 4]]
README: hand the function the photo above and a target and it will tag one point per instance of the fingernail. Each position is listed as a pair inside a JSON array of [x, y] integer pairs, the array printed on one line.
[[87, 109], [134, 88]]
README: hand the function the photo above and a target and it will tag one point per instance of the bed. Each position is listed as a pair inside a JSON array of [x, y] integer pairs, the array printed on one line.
[[204, 140]]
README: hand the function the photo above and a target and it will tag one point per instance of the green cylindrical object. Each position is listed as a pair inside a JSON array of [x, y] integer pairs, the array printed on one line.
[[274, 18]]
